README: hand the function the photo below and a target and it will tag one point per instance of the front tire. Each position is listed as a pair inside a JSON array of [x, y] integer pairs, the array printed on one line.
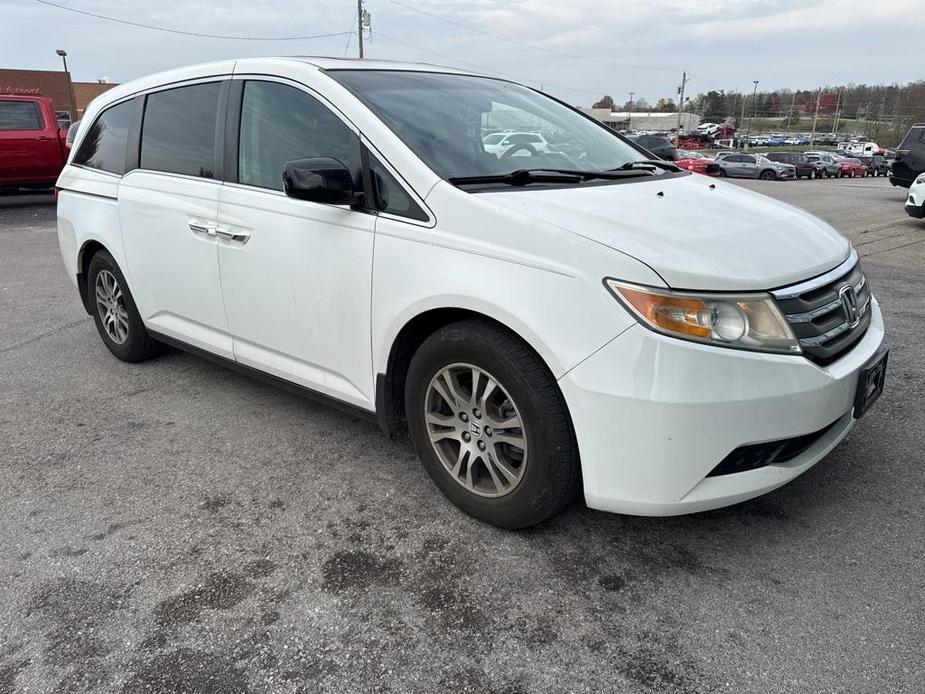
[[768, 176], [115, 314], [490, 425]]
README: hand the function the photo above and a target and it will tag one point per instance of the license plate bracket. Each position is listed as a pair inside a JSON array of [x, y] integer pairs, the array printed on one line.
[[870, 383]]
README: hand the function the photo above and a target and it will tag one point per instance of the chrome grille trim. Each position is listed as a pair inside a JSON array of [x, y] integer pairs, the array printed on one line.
[[823, 321], [808, 316], [820, 281]]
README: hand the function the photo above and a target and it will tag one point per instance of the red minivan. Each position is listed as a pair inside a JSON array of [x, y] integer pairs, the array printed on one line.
[[32, 148]]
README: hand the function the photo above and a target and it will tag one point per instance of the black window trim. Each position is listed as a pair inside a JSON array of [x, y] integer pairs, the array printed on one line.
[[231, 144], [35, 108]]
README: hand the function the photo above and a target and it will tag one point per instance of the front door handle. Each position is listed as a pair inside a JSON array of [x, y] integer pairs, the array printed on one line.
[[241, 237]]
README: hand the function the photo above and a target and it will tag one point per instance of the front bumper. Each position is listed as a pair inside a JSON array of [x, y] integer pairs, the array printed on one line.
[[915, 211], [654, 415]]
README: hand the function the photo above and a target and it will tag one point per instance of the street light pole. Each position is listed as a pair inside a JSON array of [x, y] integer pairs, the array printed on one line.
[[629, 124], [748, 131], [72, 101]]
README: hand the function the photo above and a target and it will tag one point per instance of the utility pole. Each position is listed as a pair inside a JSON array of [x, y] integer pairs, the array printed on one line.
[[812, 138], [360, 12], [837, 105], [790, 115], [680, 106], [748, 131], [629, 124]]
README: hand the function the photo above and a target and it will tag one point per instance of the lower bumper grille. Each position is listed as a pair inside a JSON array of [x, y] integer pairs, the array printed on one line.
[[758, 455]]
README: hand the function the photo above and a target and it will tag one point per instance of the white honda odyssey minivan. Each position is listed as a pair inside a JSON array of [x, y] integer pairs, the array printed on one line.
[[542, 322]]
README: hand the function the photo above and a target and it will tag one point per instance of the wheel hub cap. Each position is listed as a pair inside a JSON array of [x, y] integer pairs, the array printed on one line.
[[476, 430], [111, 307]]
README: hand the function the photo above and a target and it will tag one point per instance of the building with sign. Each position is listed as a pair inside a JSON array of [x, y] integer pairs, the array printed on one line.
[[54, 84]]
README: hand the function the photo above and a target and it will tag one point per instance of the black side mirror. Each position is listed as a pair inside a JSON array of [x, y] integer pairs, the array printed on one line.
[[320, 179]]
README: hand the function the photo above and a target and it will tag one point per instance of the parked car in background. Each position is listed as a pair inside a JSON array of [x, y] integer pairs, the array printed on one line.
[[661, 147], [915, 203], [696, 162], [852, 167], [910, 157], [825, 164], [541, 327], [32, 151], [877, 165], [804, 167], [738, 165], [510, 144]]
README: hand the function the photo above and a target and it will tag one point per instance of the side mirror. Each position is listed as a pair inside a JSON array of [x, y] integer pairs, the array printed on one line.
[[320, 179]]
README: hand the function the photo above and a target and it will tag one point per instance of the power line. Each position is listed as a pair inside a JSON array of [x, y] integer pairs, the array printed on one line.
[[189, 33], [350, 34], [552, 51]]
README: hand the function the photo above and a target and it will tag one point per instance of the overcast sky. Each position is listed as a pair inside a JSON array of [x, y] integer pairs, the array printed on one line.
[[621, 46]]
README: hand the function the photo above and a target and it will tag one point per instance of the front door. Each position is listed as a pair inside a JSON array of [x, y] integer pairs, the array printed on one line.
[[169, 212], [296, 274]]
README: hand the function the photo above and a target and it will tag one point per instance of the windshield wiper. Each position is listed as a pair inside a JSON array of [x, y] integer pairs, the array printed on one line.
[[523, 177], [650, 165]]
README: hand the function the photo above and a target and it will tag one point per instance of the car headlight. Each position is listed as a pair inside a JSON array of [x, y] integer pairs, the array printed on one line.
[[920, 180], [743, 321]]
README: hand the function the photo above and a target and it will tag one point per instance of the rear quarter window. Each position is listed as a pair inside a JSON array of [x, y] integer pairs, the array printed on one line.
[[103, 147], [20, 115]]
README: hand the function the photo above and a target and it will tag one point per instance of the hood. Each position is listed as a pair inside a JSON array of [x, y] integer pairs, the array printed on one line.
[[698, 234]]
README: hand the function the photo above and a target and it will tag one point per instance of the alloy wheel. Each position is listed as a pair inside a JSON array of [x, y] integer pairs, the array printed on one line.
[[111, 307], [476, 430]]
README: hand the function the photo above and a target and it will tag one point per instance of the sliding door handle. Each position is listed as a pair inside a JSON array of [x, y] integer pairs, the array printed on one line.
[[241, 237], [201, 229]]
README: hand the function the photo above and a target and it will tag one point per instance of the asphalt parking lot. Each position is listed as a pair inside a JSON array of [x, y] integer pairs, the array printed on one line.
[[175, 527]]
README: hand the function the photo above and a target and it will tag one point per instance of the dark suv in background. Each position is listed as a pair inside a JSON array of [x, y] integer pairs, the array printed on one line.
[[659, 146], [910, 157], [877, 165], [803, 165]]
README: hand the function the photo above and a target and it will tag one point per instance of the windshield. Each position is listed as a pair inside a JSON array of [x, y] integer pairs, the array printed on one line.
[[914, 139], [445, 120], [492, 139]]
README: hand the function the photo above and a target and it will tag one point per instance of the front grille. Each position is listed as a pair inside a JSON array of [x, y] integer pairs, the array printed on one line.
[[757, 455], [821, 318]]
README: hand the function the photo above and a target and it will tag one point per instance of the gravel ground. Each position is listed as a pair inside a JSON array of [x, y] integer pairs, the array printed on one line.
[[175, 527]]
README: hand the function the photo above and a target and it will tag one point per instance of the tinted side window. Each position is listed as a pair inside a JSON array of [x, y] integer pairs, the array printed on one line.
[[20, 115], [280, 123], [390, 195], [178, 134], [103, 146]]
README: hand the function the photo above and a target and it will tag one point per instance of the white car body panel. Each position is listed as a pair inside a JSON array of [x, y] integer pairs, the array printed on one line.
[[318, 294], [759, 244]]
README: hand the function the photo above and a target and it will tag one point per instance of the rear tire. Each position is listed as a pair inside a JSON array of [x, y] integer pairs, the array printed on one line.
[[501, 483], [115, 314]]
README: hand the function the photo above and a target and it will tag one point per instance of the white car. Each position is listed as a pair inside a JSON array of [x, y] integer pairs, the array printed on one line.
[[792, 141], [543, 327], [514, 144], [915, 203]]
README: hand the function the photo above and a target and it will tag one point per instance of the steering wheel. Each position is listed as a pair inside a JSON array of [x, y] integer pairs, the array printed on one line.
[[516, 148]]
